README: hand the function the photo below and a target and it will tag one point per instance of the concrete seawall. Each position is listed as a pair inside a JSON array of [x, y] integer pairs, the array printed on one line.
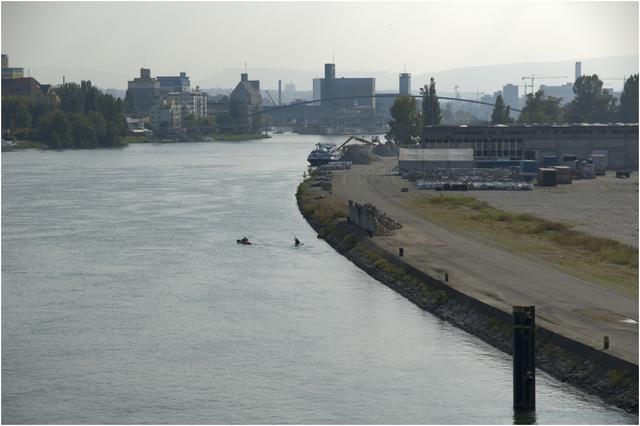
[[595, 371]]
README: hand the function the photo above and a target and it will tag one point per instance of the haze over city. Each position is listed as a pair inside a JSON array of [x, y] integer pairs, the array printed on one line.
[[109, 42]]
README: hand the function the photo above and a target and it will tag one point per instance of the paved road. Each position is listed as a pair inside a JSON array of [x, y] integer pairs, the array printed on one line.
[[571, 306]]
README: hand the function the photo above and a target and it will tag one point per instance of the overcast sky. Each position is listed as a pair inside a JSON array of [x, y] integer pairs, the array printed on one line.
[[203, 38]]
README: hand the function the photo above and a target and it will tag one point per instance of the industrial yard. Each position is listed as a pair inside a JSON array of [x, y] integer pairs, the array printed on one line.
[[605, 207]]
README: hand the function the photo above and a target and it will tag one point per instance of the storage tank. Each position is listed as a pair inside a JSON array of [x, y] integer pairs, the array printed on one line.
[[547, 177]]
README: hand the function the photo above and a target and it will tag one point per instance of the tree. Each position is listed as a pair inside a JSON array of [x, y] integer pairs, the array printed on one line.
[[54, 129], [240, 117], [430, 105], [257, 123], [15, 113], [629, 100], [541, 109], [224, 122], [130, 102], [406, 123], [500, 114], [591, 104]]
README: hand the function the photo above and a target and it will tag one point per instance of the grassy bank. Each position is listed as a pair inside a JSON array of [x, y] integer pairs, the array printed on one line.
[[135, 139], [607, 262], [244, 137], [29, 145]]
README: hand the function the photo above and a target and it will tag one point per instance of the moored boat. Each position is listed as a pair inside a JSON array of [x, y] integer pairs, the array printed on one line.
[[323, 153]]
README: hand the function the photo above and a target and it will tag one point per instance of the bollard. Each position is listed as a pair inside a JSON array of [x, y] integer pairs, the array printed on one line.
[[606, 342], [524, 358], [401, 252]]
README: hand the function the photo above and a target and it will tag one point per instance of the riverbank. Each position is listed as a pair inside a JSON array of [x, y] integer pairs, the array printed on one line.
[[595, 371]]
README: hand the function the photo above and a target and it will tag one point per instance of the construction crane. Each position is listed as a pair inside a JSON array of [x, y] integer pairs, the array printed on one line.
[[272, 101], [372, 143], [532, 77]]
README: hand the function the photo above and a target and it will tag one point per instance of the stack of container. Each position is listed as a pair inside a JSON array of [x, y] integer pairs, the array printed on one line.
[[586, 170], [600, 161], [565, 174], [570, 160], [528, 169], [547, 177]]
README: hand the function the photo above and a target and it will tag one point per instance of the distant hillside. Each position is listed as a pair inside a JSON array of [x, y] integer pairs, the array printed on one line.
[[472, 79]]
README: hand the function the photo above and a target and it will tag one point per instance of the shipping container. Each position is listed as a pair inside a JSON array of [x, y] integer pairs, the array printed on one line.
[[497, 164], [547, 177], [528, 167], [565, 175], [549, 161]]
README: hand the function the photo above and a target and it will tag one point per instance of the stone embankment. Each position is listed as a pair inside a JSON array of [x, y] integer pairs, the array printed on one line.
[[595, 371]]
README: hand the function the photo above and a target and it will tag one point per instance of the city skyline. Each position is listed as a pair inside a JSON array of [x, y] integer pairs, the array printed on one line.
[[120, 38]]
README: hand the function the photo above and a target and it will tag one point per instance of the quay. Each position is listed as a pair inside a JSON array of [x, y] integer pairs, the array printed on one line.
[[474, 285]]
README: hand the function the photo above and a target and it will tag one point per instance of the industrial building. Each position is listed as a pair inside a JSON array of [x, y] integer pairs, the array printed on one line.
[[510, 95], [332, 87], [619, 142], [418, 159], [247, 94], [175, 83], [8, 72], [144, 90], [564, 92]]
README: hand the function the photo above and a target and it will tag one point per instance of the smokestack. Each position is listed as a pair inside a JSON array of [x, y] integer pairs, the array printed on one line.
[[244, 77], [279, 92], [578, 70]]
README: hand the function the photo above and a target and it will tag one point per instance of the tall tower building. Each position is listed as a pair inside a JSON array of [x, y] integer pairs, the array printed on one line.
[[405, 84], [578, 70], [510, 95], [329, 78]]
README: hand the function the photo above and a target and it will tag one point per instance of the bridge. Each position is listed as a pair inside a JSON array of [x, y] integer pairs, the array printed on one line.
[[379, 95], [342, 98]]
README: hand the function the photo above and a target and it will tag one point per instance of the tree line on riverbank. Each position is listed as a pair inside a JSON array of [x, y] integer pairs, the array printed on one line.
[[591, 104], [82, 117]]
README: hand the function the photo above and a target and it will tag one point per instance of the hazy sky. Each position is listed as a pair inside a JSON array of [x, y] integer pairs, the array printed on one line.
[[204, 38]]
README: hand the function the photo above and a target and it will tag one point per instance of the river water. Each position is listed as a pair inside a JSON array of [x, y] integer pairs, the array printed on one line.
[[125, 299]]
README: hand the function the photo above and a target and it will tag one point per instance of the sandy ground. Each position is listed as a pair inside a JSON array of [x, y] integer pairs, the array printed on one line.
[[568, 305], [605, 206]]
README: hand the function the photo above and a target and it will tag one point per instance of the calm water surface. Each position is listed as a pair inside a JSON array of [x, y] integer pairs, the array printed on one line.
[[125, 299]]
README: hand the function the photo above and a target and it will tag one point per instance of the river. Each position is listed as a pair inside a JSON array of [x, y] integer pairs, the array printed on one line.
[[125, 299]]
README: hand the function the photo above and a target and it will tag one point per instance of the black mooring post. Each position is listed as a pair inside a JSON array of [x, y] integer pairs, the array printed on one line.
[[524, 358]]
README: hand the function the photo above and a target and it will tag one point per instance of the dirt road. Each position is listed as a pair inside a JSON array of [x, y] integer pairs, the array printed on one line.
[[570, 306]]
